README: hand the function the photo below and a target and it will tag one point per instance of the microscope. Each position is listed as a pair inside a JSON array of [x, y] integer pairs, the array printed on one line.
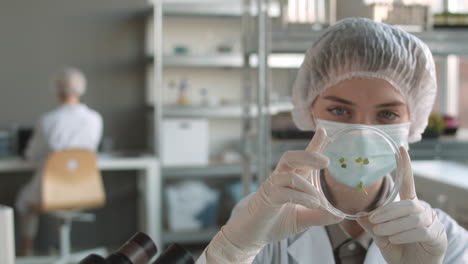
[[140, 249]]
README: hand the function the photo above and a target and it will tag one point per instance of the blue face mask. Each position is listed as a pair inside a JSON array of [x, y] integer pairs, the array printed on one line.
[[362, 157]]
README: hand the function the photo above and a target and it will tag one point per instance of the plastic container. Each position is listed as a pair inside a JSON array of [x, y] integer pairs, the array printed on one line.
[[364, 162]]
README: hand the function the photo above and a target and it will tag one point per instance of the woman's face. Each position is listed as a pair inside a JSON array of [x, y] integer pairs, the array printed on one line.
[[361, 101]]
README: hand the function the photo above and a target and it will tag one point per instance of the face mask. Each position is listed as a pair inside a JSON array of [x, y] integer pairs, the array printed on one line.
[[361, 158]]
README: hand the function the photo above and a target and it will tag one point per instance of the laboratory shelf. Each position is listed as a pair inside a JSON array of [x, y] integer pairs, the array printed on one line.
[[440, 41], [275, 61], [212, 9], [220, 111], [446, 41], [203, 10], [280, 60], [210, 171], [202, 61], [444, 148], [189, 237]]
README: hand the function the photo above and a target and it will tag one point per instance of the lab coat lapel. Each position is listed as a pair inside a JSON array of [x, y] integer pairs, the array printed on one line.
[[312, 247], [373, 253], [374, 256]]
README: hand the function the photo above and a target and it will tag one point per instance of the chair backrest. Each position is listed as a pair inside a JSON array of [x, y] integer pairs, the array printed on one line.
[[71, 180]]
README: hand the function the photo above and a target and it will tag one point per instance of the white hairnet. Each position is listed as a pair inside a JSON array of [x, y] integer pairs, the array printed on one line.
[[70, 81], [362, 48]]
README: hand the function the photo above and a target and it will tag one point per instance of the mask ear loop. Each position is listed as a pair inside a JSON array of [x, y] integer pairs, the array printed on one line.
[[312, 117]]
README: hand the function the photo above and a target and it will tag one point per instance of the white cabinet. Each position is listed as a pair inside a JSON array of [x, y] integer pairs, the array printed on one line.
[[185, 142]]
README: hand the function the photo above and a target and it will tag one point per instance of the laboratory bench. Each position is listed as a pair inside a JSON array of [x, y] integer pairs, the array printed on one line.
[[442, 148], [148, 182], [444, 185]]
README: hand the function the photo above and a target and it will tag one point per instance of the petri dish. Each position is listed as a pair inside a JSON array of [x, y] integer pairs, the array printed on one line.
[[365, 171]]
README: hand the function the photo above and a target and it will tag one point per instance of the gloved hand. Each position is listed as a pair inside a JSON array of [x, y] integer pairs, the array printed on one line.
[[407, 231], [285, 204]]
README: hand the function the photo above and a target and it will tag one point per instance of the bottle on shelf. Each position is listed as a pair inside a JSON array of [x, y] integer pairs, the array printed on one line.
[[183, 98]]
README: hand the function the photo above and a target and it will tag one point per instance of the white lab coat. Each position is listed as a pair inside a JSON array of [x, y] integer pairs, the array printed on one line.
[[314, 247], [68, 126]]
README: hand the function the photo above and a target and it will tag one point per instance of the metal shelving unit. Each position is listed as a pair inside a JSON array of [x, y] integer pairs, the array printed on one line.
[[277, 61], [222, 111], [159, 111], [195, 9], [212, 61]]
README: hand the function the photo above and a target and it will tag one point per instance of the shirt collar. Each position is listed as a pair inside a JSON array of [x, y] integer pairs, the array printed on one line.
[[336, 232], [338, 236]]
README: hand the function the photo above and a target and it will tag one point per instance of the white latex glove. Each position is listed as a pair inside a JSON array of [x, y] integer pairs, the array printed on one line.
[[285, 204], [407, 231]]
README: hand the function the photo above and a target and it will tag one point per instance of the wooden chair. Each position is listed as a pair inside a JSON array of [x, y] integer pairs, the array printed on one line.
[[71, 182]]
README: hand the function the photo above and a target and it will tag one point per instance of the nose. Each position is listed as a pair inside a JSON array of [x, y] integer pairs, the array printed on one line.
[[364, 119]]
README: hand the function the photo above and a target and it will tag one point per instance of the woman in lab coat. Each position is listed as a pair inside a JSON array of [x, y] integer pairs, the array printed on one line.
[[71, 125], [358, 72]]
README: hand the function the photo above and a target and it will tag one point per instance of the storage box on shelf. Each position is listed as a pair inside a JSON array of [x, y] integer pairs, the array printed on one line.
[[185, 142]]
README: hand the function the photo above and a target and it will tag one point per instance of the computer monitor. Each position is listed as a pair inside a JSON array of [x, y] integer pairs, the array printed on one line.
[[23, 135]]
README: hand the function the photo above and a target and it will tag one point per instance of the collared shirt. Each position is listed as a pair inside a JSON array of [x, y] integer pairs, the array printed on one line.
[[68, 126], [346, 249]]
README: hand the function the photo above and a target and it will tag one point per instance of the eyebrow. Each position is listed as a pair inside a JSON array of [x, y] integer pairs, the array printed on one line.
[[395, 103], [344, 101], [339, 100]]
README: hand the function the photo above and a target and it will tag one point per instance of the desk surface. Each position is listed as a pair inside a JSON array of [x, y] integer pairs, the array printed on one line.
[[104, 163], [149, 185], [446, 172]]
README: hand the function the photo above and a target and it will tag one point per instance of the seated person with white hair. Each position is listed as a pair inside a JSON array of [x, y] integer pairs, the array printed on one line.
[[71, 125]]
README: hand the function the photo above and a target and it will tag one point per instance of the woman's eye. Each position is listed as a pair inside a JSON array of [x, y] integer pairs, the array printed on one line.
[[388, 115], [338, 111]]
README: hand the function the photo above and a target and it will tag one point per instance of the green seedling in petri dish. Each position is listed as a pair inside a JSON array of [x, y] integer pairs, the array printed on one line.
[[360, 187], [343, 165], [363, 161]]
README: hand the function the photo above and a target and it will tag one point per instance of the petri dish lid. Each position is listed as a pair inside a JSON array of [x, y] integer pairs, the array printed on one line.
[[365, 171]]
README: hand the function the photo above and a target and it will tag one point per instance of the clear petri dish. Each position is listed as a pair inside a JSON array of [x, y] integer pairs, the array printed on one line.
[[365, 171]]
